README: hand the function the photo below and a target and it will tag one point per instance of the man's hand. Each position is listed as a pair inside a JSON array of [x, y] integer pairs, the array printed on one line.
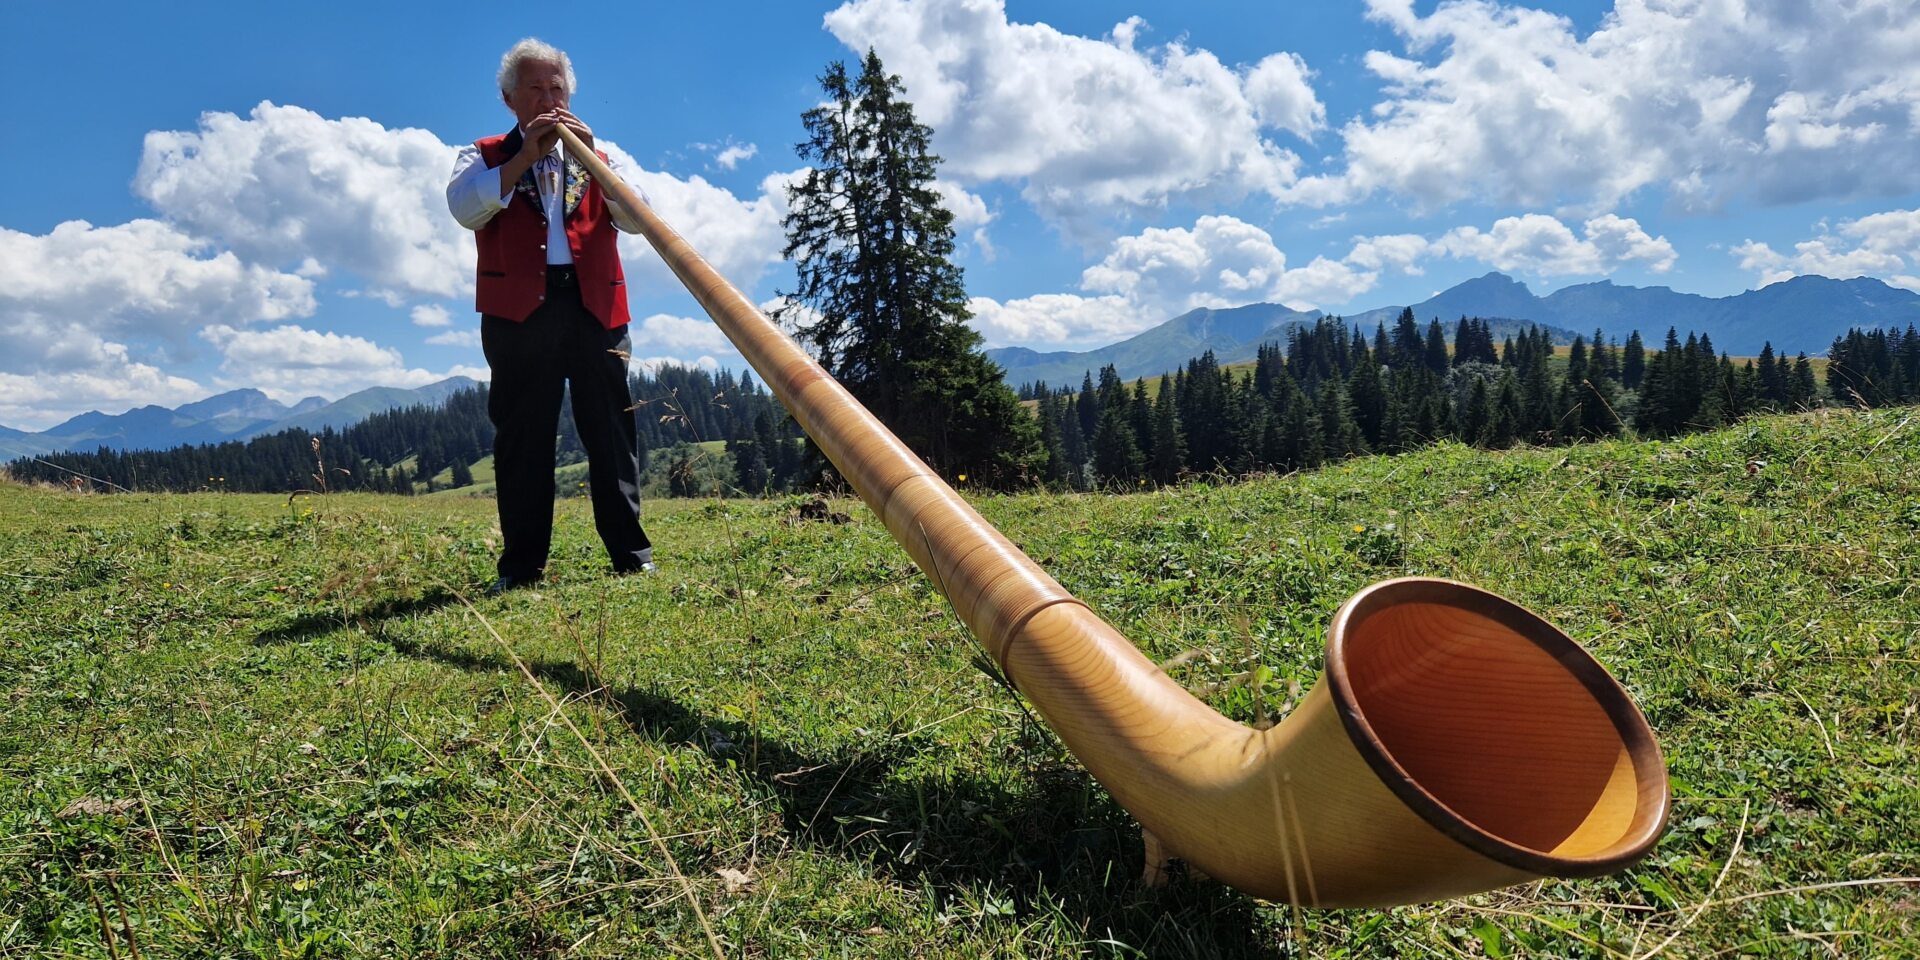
[[541, 136], [579, 128]]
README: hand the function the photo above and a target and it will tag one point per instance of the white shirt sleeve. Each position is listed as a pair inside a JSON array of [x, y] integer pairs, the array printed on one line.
[[473, 195], [623, 218]]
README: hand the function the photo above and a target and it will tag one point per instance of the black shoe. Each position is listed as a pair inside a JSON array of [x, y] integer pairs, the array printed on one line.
[[506, 583], [646, 566]]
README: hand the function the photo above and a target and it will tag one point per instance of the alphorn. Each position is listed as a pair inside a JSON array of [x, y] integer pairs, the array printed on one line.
[[1456, 743]]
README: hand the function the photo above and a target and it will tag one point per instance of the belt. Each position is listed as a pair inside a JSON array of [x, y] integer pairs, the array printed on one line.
[[562, 276]]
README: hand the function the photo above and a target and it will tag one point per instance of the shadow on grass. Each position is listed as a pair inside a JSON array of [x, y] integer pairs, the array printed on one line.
[[1058, 845], [309, 626]]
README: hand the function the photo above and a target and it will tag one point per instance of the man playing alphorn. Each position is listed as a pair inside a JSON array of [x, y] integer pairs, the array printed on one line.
[[553, 306]]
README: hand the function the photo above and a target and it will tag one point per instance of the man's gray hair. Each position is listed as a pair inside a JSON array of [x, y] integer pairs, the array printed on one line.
[[538, 52]]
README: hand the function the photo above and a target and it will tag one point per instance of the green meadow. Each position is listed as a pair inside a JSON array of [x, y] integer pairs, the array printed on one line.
[[248, 726]]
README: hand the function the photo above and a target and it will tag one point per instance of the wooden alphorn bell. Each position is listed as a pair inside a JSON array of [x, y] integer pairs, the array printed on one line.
[[1456, 743]]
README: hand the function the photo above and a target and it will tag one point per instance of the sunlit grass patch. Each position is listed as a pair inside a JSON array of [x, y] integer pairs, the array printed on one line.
[[240, 726]]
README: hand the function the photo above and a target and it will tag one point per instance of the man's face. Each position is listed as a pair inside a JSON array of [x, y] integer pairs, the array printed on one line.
[[542, 87]]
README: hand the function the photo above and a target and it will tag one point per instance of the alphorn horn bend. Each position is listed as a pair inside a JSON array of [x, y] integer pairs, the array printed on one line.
[[1456, 743]]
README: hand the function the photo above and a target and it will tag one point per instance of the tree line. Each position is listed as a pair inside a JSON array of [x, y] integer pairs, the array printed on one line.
[[406, 450], [1330, 392], [1875, 368]]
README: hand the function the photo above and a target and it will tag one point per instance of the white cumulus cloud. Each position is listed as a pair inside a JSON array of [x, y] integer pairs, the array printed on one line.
[[252, 211], [90, 316], [686, 335], [1086, 125], [1708, 100], [1059, 321], [740, 238], [1402, 251], [734, 153], [431, 315], [284, 184], [970, 212], [1543, 246], [456, 338], [1159, 273], [141, 277], [289, 362], [38, 401], [1222, 261], [1886, 245]]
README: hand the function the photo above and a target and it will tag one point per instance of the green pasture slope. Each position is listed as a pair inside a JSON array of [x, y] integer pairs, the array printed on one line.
[[236, 726]]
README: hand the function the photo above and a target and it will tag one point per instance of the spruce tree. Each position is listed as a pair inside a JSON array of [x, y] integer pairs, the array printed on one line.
[[1200, 399], [1599, 403], [1340, 436], [1301, 433], [1436, 348], [1505, 426], [1773, 378], [1633, 361], [1057, 470], [774, 448], [1394, 429], [1140, 418], [1116, 455], [871, 244], [1368, 397], [1656, 415], [752, 471], [1479, 411], [1074, 444], [1908, 363], [1252, 413], [1089, 406], [1169, 446], [1408, 347], [1801, 391]]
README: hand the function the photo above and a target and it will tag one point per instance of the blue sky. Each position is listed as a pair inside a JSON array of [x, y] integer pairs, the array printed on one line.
[[222, 196]]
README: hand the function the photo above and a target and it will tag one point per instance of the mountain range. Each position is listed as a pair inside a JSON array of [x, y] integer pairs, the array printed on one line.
[[234, 415], [1801, 315]]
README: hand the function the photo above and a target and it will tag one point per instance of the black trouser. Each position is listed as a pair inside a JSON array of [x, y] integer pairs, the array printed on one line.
[[561, 346]]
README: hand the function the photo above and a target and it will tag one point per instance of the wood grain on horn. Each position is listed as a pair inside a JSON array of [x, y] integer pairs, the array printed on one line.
[[1457, 742]]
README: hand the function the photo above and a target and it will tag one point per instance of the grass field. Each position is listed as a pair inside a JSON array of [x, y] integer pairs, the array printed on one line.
[[243, 726]]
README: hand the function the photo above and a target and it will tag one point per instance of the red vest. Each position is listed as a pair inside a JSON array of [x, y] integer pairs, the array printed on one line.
[[512, 267]]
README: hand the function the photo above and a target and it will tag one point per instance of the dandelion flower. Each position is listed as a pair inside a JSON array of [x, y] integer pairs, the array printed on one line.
[[963, 478], [1359, 528]]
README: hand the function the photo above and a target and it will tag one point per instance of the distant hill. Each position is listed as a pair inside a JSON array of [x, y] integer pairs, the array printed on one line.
[[1233, 334], [355, 407], [1229, 333], [1801, 315], [234, 415]]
